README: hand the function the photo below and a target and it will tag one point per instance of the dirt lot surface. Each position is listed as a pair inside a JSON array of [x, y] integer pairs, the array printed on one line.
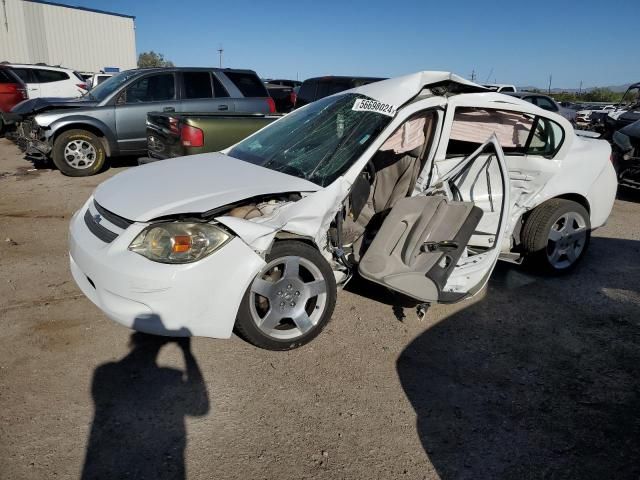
[[536, 378]]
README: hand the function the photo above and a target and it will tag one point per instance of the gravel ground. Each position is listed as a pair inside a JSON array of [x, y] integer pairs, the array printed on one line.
[[536, 378]]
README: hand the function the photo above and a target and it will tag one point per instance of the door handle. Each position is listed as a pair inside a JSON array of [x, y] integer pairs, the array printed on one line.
[[168, 109], [223, 107]]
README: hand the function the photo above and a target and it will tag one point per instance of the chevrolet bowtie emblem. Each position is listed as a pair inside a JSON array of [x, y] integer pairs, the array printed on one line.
[[97, 218]]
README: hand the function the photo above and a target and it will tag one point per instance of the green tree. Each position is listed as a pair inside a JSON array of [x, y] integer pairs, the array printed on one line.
[[153, 59]]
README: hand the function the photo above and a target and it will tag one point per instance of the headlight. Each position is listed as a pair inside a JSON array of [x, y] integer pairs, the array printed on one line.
[[177, 242]]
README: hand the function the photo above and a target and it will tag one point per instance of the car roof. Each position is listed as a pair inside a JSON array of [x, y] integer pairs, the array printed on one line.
[[343, 77], [32, 65], [191, 69], [400, 90]]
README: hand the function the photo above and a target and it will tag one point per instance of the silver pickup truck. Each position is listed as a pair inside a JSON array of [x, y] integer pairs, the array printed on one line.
[[80, 134]]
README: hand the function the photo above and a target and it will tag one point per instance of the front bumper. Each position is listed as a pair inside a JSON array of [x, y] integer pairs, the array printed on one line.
[[31, 140], [200, 298]]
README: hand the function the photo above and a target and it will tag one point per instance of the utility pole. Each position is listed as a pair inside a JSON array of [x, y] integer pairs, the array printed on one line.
[[220, 50], [549, 89], [580, 89], [473, 75]]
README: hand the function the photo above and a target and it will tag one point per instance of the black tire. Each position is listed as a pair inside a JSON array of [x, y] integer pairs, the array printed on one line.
[[247, 328], [536, 231], [82, 136]]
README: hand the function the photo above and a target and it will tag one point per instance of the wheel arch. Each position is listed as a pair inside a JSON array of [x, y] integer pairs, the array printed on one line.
[[97, 128]]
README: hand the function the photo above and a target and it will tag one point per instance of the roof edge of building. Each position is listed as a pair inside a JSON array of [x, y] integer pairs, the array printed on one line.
[[86, 9]]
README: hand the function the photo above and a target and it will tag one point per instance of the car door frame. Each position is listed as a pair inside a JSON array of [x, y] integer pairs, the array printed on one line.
[[139, 144], [529, 174], [480, 269]]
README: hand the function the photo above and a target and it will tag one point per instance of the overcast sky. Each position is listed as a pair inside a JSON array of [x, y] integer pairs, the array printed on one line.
[[508, 42]]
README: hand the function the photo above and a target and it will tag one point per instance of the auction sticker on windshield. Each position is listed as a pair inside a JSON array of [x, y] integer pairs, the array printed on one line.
[[365, 105]]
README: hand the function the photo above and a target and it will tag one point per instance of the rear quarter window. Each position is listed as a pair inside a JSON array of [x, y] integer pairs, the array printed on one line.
[[248, 83], [6, 77], [49, 76], [518, 133]]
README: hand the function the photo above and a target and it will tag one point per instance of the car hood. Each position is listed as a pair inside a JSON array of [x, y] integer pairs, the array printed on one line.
[[194, 184], [36, 105]]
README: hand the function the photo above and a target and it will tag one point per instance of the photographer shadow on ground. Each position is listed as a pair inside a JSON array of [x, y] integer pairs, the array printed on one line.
[[539, 379], [138, 429]]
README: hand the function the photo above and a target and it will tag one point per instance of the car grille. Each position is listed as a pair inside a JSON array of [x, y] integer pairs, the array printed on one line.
[[102, 232]]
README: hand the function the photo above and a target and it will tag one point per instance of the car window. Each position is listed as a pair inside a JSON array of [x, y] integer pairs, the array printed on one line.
[[5, 77], [25, 74], [218, 89], [197, 85], [48, 76], [507, 89], [545, 104], [153, 88], [473, 126], [248, 83], [102, 78], [547, 138]]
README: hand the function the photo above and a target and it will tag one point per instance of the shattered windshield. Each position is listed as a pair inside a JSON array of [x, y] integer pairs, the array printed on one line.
[[319, 142], [110, 85]]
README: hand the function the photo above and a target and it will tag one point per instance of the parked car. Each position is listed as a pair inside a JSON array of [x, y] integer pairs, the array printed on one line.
[[172, 135], [626, 112], [283, 96], [46, 81], [314, 89], [626, 155], [500, 87], [97, 78], [284, 83], [12, 91], [593, 113], [78, 135], [420, 194], [546, 103]]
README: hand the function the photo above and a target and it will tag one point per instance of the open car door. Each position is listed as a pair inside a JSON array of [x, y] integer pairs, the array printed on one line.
[[429, 246]]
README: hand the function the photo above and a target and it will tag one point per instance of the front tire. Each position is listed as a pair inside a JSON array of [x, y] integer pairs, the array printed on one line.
[[290, 300], [556, 235], [78, 153]]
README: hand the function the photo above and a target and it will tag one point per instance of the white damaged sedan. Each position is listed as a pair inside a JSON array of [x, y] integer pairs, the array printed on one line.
[[420, 183]]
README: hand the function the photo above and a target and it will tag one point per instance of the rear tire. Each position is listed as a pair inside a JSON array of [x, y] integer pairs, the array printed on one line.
[[290, 300], [78, 153], [556, 236]]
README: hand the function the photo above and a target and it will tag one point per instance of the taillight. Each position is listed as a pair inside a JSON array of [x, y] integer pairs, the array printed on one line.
[[173, 125], [272, 105], [16, 88], [191, 136], [82, 85], [293, 97]]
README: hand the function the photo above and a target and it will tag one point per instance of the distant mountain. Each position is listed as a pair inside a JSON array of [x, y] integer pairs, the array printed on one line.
[[613, 88]]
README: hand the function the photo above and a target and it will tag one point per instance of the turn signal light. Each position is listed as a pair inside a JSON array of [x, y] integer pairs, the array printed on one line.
[[181, 244]]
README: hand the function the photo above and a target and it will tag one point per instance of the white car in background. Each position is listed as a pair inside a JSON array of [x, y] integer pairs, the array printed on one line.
[[97, 78], [595, 112], [500, 87], [45, 81], [420, 183]]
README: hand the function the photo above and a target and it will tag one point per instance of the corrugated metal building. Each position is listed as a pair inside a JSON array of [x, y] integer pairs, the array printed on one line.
[[87, 40]]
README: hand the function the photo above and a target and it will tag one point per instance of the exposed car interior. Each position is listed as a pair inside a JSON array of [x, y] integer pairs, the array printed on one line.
[[412, 243]]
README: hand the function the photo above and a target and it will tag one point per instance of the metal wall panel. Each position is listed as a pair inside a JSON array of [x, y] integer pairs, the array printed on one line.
[[57, 35]]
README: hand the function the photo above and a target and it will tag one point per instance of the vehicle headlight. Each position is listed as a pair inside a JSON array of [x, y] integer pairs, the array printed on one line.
[[178, 242]]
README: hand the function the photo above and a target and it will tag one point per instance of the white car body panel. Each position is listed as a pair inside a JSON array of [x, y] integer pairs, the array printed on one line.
[[202, 298], [136, 292], [196, 183]]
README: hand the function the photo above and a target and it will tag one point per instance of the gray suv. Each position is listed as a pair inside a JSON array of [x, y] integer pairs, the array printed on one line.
[[80, 134]]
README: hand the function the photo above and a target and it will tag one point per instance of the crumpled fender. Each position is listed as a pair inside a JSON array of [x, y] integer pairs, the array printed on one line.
[[309, 217]]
